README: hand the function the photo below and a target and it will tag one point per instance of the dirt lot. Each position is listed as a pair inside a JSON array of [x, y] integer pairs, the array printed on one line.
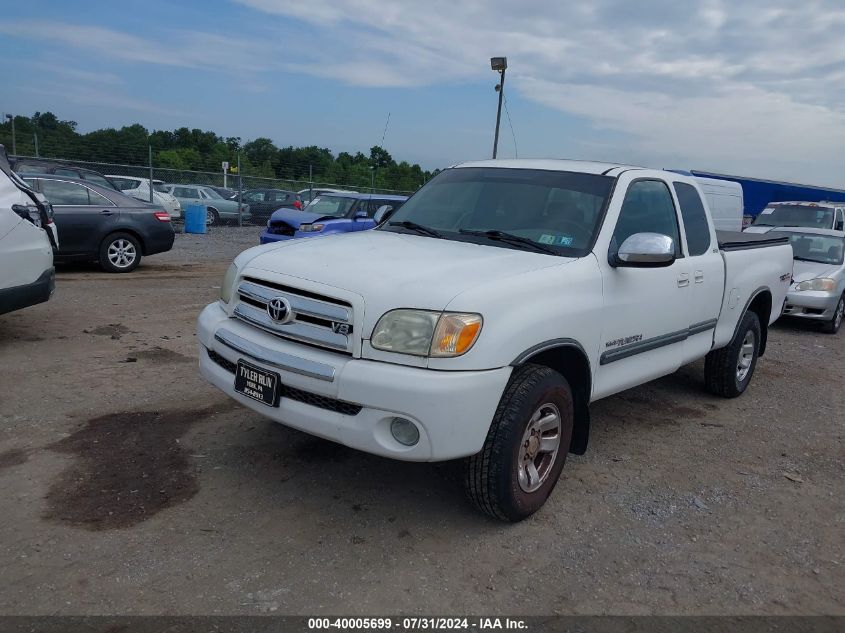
[[131, 486]]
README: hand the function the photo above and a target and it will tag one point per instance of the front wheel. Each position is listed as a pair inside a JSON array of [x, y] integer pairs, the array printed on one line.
[[728, 371], [526, 446], [120, 253], [832, 326]]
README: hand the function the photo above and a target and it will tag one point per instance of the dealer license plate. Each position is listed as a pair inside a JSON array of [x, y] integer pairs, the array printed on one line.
[[258, 384]]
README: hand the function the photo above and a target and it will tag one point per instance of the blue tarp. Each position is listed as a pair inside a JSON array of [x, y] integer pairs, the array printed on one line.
[[757, 193]]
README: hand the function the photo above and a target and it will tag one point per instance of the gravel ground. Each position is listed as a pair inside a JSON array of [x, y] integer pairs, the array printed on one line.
[[133, 487]]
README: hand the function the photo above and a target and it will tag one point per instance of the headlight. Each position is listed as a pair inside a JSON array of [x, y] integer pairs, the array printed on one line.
[[820, 284], [228, 284], [309, 228], [426, 333]]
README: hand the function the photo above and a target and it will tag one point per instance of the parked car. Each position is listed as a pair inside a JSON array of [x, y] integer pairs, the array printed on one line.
[[103, 225], [487, 313], [330, 213], [139, 188], [218, 209], [817, 215], [262, 202], [307, 195], [817, 292], [27, 275], [36, 166]]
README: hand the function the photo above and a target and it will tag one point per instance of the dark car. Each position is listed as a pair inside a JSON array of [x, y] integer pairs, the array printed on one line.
[[25, 166], [262, 202], [103, 225], [228, 194]]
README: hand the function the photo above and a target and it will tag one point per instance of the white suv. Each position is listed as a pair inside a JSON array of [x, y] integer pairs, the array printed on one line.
[[139, 188], [27, 239]]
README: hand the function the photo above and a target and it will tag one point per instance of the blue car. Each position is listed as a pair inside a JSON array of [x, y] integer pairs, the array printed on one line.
[[328, 213]]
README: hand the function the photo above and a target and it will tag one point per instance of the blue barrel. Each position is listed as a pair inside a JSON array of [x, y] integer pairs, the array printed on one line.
[[195, 218]]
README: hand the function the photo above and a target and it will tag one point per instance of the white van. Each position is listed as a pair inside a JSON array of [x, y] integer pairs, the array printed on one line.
[[724, 197], [27, 240]]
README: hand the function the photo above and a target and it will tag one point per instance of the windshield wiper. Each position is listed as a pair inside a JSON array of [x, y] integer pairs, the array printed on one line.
[[419, 228], [807, 259], [510, 238]]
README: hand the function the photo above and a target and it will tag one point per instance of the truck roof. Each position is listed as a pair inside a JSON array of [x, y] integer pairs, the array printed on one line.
[[550, 164]]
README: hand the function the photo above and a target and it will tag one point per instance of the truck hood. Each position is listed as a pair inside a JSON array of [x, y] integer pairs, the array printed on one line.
[[393, 270], [801, 270]]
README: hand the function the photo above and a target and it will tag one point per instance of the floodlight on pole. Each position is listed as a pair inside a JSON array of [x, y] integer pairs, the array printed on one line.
[[499, 64]]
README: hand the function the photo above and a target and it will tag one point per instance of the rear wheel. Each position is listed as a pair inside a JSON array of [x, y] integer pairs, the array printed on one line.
[[526, 446], [120, 253], [212, 218], [728, 371]]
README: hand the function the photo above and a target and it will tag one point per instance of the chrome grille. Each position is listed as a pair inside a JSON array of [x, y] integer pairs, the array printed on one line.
[[317, 320]]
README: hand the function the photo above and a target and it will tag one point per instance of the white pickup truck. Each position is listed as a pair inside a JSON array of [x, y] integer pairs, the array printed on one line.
[[487, 313]]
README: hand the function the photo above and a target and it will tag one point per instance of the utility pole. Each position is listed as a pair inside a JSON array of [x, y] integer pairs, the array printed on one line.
[[240, 192], [35, 137], [499, 64], [310, 182], [11, 118], [225, 169], [150, 147]]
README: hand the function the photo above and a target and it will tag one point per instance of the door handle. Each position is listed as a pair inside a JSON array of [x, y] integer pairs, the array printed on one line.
[[683, 280], [106, 212], [699, 276]]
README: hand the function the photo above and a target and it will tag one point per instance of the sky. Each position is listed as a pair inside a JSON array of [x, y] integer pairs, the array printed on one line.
[[755, 88]]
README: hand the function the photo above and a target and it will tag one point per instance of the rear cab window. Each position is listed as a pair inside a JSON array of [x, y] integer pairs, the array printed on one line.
[[696, 226]]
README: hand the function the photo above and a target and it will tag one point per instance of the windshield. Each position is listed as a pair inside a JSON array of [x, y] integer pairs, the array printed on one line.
[[812, 247], [213, 194], [795, 215], [334, 206], [556, 209]]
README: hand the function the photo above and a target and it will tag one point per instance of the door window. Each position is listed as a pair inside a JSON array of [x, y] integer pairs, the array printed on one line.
[[254, 196], [61, 193], [696, 227], [647, 208], [839, 225]]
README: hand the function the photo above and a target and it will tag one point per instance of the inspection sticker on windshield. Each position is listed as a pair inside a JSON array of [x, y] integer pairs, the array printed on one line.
[[559, 240]]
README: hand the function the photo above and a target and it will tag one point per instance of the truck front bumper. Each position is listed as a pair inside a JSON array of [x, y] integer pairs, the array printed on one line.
[[811, 304], [353, 401]]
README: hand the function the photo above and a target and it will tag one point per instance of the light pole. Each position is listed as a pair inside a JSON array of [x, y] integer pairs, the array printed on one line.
[[499, 64], [11, 118]]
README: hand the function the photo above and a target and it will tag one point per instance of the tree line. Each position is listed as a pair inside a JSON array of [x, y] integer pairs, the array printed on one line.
[[47, 136]]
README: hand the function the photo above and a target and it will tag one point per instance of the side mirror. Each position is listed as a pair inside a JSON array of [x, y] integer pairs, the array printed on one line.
[[382, 213], [644, 250], [360, 215]]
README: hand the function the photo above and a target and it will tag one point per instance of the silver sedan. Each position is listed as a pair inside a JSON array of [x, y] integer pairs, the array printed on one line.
[[818, 278]]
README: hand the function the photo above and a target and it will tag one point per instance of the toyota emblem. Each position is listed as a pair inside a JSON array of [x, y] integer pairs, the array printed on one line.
[[279, 310]]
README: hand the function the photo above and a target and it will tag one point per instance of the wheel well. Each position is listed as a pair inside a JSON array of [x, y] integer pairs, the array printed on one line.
[[571, 361], [134, 234], [761, 305]]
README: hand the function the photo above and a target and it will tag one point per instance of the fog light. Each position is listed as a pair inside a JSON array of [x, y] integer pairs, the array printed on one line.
[[404, 431]]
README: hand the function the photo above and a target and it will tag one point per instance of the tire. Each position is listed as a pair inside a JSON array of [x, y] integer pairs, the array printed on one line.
[[495, 480], [212, 218], [120, 253], [728, 371], [832, 326]]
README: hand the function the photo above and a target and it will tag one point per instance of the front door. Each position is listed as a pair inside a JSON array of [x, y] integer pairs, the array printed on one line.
[[646, 310]]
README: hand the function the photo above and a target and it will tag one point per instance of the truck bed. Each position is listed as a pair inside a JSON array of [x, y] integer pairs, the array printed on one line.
[[738, 241]]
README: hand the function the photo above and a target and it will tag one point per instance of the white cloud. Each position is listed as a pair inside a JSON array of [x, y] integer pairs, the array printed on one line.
[[748, 85]]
